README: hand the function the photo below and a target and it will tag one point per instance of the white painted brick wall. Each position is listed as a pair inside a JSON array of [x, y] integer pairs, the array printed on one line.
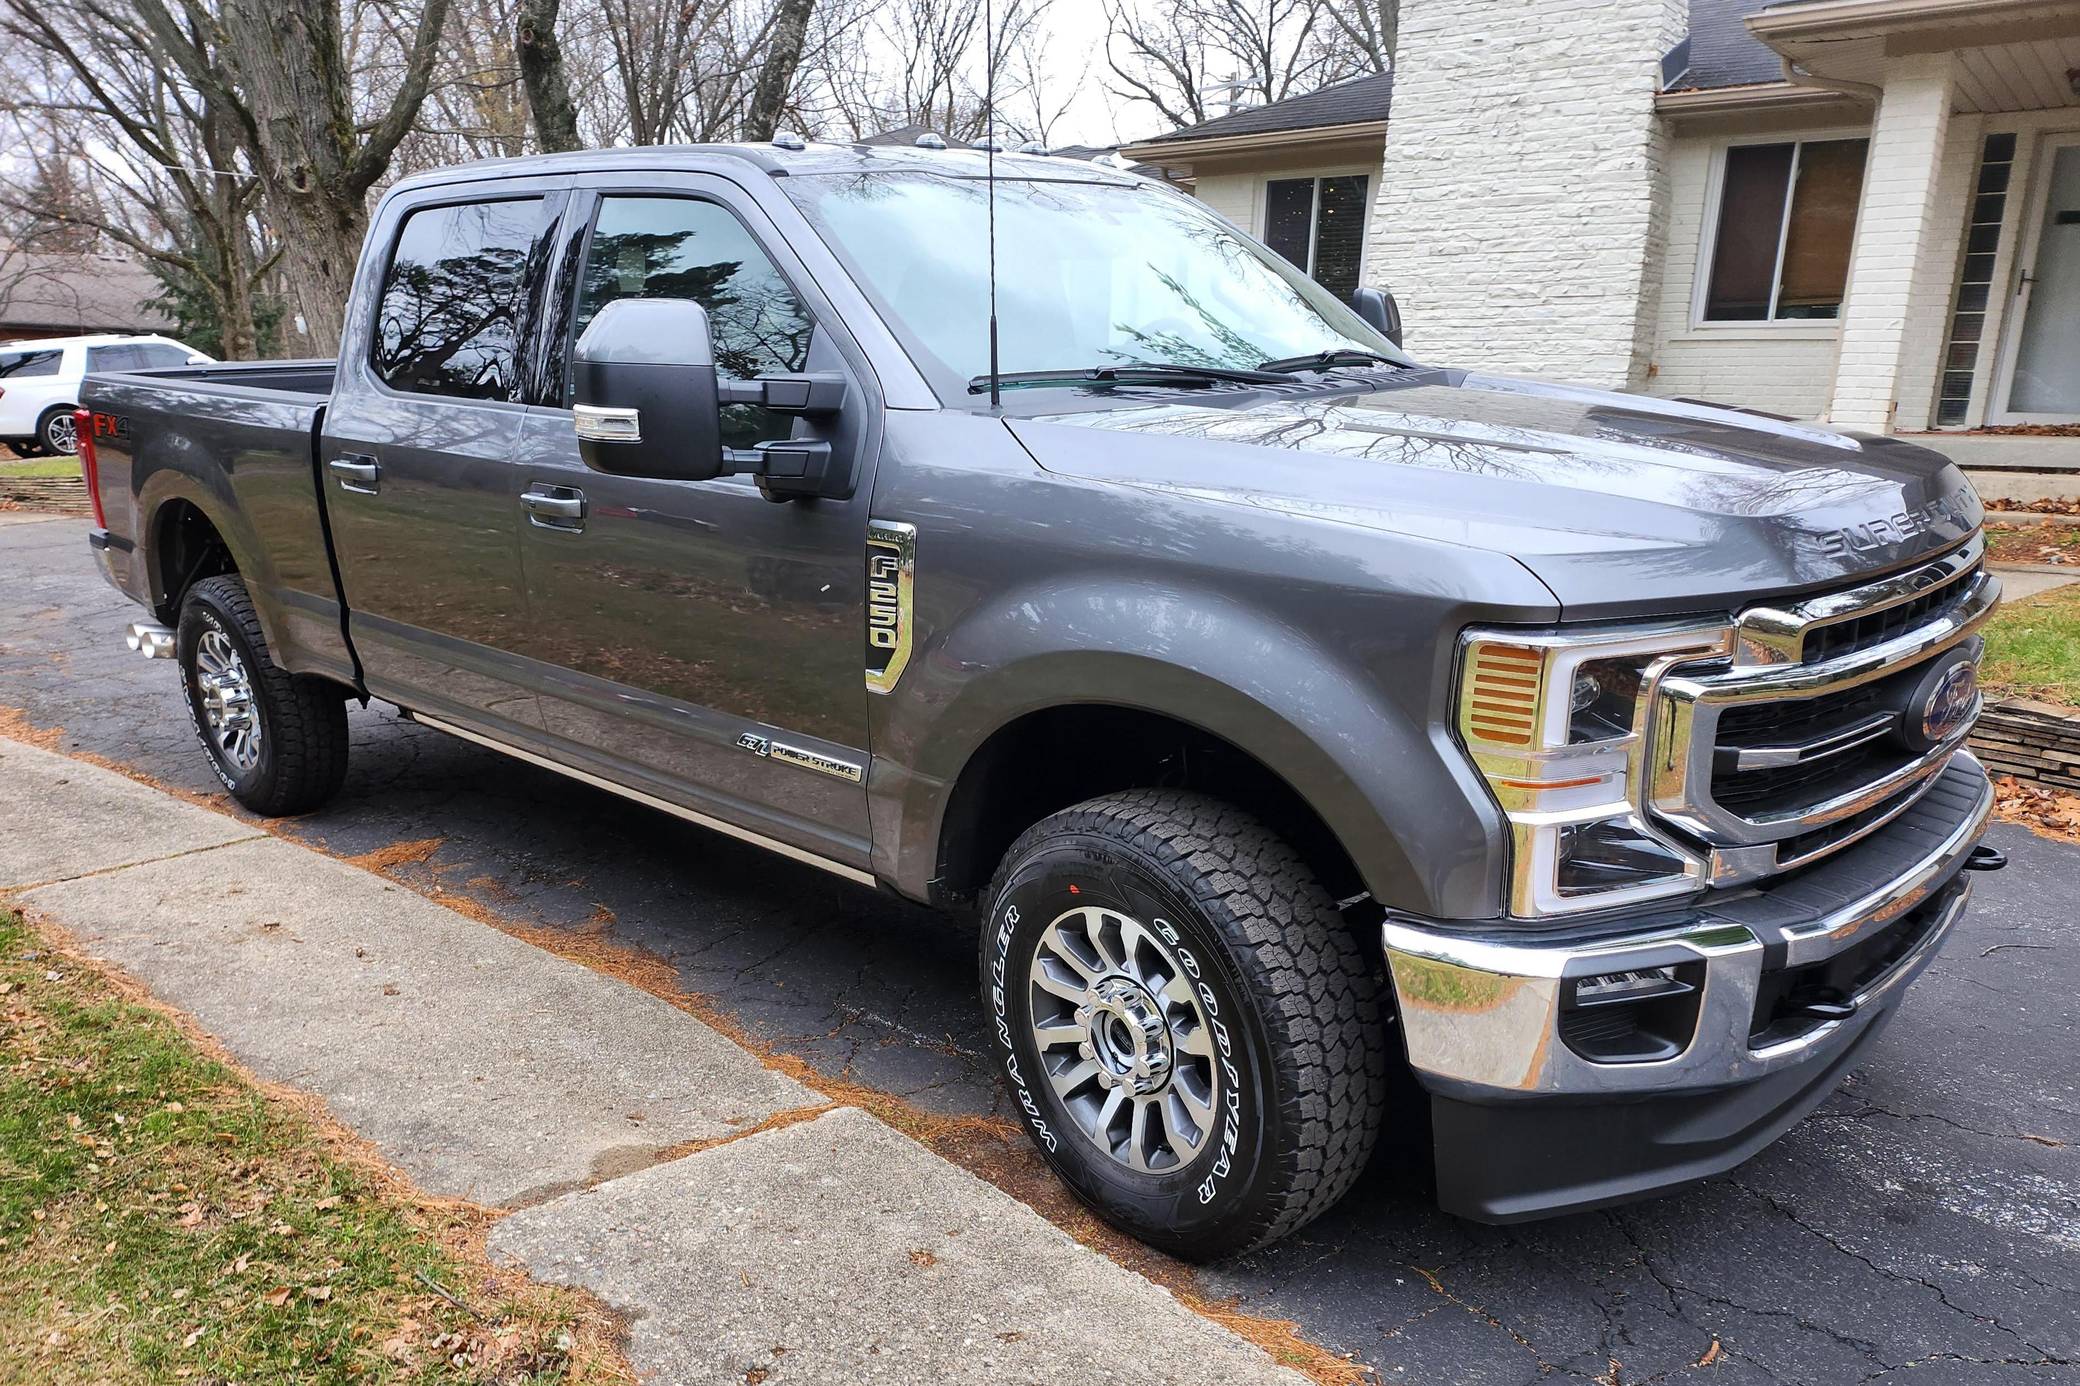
[[1899, 256], [1520, 219], [1784, 370], [1233, 195]]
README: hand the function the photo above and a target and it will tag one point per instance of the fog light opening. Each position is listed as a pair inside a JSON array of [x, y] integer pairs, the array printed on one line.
[[1639, 1015]]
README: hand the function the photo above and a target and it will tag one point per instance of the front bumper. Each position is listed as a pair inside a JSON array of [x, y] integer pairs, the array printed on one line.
[[1791, 980]]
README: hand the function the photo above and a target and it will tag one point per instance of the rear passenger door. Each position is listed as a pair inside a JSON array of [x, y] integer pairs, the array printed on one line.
[[417, 458], [706, 643]]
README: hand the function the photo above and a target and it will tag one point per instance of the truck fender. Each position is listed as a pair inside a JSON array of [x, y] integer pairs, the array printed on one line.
[[1205, 660]]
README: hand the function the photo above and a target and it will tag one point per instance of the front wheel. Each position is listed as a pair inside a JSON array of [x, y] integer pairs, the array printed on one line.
[[277, 740], [1195, 1040]]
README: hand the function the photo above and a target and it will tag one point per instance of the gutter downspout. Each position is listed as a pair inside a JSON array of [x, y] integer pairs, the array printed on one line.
[[1862, 91]]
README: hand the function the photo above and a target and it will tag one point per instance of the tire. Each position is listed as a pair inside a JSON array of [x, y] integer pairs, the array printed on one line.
[[24, 448], [277, 740], [55, 432], [1199, 935]]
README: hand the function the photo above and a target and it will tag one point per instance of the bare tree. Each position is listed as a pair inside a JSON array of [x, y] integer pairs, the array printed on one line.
[[285, 71], [1193, 59], [542, 71], [157, 159], [776, 76]]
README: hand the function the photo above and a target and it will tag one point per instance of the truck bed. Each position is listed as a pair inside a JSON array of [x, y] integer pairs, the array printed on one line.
[[237, 441]]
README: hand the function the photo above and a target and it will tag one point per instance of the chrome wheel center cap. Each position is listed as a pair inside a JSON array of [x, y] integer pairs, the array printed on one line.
[[1127, 1035]]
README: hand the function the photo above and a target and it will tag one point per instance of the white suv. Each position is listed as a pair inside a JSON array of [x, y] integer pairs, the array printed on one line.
[[39, 382]]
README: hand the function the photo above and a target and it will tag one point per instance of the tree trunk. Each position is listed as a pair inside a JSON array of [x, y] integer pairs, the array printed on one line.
[[542, 74], [776, 76]]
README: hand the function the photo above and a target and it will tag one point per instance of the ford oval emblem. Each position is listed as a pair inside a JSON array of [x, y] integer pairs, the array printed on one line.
[[1950, 703]]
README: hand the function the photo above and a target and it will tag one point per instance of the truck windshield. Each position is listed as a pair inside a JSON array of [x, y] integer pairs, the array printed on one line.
[[1088, 274]]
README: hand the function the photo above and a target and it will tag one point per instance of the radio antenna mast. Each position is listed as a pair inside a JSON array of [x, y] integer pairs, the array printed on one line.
[[989, 145]]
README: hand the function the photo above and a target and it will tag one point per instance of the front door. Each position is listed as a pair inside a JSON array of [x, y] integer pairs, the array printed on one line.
[[694, 638], [417, 457], [2042, 381]]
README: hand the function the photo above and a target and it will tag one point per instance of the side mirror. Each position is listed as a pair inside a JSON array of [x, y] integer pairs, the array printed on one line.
[[1379, 309], [644, 388], [649, 403]]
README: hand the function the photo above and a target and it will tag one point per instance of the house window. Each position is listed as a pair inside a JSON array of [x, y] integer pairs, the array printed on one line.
[[1787, 219], [1319, 224]]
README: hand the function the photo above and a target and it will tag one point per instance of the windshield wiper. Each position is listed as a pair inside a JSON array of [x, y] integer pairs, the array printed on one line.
[[1163, 373], [1327, 360]]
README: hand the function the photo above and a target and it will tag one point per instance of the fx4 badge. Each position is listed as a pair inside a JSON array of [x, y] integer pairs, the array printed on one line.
[[891, 573]]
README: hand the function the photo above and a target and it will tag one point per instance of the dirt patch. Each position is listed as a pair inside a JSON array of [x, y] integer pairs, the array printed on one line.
[[2057, 430], [384, 861], [16, 726], [2059, 545]]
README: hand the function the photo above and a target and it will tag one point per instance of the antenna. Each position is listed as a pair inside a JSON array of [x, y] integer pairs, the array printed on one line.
[[989, 116]]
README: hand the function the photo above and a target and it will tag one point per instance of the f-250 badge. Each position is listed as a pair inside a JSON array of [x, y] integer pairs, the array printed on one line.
[[891, 573]]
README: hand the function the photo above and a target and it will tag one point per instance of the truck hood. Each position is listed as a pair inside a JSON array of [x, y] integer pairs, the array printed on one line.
[[1621, 504]]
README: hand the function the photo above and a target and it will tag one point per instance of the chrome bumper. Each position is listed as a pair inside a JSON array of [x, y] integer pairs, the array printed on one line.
[[1481, 1015]]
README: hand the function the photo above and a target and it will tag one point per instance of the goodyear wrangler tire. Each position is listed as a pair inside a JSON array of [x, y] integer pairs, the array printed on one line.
[[1193, 1037], [277, 740]]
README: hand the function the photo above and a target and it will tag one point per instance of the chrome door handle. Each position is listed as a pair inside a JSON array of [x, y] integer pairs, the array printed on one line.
[[357, 472], [555, 507]]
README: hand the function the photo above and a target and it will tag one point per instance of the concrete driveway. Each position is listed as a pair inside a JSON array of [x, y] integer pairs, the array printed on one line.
[[1926, 1218]]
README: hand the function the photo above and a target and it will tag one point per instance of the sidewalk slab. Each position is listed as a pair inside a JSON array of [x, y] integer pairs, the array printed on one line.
[[61, 817], [839, 1251], [483, 1066]]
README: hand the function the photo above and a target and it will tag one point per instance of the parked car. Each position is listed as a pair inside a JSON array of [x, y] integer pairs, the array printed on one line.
[[1285, 712], [39, 382]]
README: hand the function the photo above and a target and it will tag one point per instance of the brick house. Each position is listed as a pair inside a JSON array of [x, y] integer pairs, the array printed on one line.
[[1864, 211]]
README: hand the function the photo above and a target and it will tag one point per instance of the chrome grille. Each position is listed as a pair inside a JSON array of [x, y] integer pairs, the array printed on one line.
[[1789, 751]]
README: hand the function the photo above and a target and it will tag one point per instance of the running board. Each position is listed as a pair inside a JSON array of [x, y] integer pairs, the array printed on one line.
[[836, 868]]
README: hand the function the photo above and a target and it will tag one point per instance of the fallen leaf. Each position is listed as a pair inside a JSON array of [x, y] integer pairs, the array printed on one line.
[[191, 1215], [176, 1108], [1711, 1354], [328, 1203], [277, 1297], [923, 1258], [194, 1337], [320, 1293]]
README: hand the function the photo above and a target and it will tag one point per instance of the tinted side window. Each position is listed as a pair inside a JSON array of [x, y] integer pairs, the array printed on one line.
[[667, 247], [19, 365], [114, 358], [455, 299], [156, 355]]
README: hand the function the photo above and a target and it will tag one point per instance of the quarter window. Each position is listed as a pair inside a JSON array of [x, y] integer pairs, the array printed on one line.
[[1319, 225], [676, 247], [455, 302], [1787, 220], [20, 365]]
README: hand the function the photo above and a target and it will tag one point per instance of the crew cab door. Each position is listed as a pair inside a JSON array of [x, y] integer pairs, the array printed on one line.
[[704, 643], [422, 486]]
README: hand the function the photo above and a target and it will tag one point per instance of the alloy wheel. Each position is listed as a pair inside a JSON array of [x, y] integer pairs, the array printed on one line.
[[226, 693], [1123, 1038]]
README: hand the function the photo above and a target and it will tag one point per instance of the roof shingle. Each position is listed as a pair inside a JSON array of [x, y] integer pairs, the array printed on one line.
[[1355, 102]]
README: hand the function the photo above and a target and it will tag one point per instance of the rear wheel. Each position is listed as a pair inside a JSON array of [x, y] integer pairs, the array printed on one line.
[[56, 433], [277, 740], [1196, 1041]]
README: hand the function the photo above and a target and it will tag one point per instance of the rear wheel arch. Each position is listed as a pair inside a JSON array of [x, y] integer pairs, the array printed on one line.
[[183, 546]]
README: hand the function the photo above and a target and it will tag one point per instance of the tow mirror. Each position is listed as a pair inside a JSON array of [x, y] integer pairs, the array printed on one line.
[[1379, 309], [647, 401]]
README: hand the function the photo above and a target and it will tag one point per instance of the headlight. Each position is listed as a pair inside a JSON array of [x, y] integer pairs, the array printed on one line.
[[1557, 724]]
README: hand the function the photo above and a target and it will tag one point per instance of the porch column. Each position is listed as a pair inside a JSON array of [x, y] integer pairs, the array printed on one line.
[[1898, 268]]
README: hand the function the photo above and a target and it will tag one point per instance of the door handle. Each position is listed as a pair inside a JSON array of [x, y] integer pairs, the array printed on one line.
[[555, 507], [356, 472]]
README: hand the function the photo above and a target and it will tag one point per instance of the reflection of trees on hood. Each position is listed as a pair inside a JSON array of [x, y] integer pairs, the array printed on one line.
[[449, 325]]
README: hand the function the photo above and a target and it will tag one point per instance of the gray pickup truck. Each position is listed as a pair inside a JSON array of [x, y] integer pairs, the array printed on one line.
[[1318, 739]]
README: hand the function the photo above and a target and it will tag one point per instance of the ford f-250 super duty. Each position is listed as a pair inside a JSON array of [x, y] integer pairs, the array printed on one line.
[[1287, 713]]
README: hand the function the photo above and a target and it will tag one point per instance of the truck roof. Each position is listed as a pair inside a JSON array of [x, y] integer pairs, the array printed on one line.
[[779, 161]]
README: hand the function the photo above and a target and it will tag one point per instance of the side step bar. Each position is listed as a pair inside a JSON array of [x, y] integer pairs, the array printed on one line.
[[150, 639]]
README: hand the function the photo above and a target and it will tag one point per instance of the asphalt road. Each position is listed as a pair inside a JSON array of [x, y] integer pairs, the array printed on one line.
[[1924, 1225]]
